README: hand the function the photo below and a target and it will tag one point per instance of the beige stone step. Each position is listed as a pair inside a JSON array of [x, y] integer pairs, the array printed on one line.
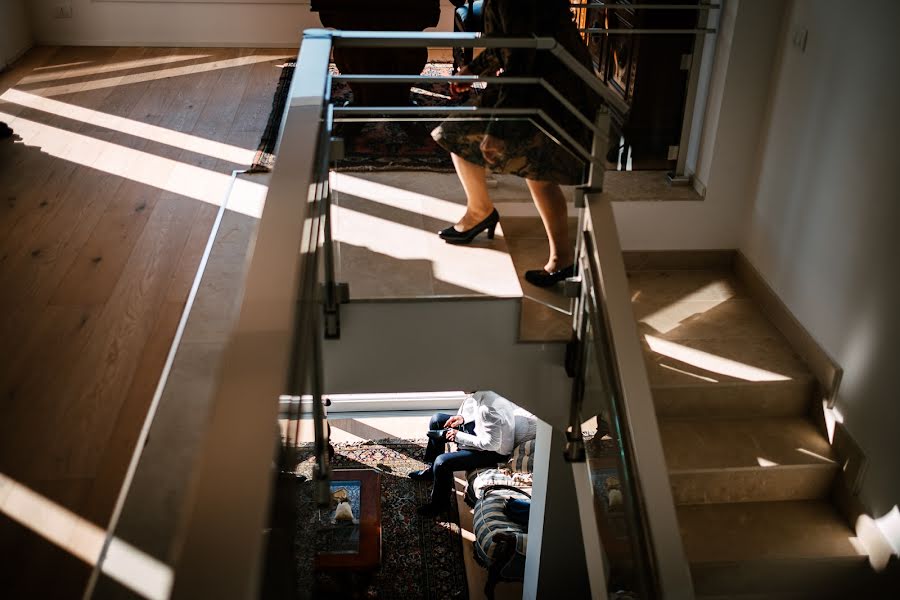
[[711, 352], [737, 399], [747, 460], [385, 226], [546, 313], [800, 548]]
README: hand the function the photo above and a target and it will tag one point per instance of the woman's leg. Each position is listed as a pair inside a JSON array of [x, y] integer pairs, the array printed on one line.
[[478, 202], [551, 204]]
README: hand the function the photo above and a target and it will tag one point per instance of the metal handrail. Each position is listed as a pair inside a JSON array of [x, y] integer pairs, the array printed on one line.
[[632, 400], [265, 357], [406, 39], [461, 110], [261, 361], [660, 541], [605, 6], [573, 110]]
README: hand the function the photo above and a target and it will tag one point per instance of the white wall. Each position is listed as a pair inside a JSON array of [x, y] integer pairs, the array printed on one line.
[[15, 32], [173, 23], [439, 345], [824, 225], [745, 51]]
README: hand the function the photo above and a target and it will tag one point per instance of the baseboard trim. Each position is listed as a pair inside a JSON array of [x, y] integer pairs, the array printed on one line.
[[12, 61], [826, 370], [847, 503]]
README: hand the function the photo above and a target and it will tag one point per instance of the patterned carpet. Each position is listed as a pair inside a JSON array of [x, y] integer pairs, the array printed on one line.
[[394, 146], [421, 558], [380, 146]]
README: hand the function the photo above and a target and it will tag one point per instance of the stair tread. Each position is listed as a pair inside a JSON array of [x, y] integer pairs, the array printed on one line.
[[799, 530], [699, 327], [385, 227], [695, 444], [706, 362]]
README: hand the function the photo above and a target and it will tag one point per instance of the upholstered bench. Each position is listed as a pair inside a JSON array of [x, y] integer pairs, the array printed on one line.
[[500, 543]]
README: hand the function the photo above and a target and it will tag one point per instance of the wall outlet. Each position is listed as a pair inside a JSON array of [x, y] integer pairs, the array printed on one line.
[[62, 11]]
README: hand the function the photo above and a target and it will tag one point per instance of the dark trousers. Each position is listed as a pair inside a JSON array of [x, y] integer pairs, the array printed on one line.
[[445, 463]]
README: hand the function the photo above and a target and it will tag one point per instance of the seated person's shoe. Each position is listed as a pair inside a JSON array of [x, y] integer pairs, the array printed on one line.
[[422, 475], [439, 435], [432, 510], [542, 278]]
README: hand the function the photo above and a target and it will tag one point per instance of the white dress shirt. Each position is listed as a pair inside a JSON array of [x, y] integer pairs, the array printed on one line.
[[495, 423]]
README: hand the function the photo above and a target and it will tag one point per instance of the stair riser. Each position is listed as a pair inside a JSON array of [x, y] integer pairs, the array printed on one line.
[[768, 399], [752, 485], [832, 579]]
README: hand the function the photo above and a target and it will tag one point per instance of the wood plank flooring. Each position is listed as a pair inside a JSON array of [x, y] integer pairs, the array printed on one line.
[[101, 232]]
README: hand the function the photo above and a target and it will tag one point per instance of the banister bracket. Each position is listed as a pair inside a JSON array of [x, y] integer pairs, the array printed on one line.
[[334, 295]]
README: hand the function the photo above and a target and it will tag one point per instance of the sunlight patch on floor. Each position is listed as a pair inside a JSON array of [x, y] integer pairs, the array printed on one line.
[[683, 372], [672, 315], [79, 537], [65, 65], [814, 455], [483, 270], [348, 428], [395, 197], [85, 86], [879, 538], [161, 135], [107, 68], [711, 362], [172, 176], [833, 416]]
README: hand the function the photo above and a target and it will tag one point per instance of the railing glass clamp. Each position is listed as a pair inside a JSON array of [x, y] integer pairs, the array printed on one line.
[[334, 294], [342, 292], [336, 151], [583, 190], [574, 451], [572, 287]]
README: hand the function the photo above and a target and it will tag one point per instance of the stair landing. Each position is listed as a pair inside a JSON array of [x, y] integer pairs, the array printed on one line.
[[385, 226]]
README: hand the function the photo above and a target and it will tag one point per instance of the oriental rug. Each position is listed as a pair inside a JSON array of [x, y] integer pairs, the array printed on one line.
[[422, 558], [375, 146]]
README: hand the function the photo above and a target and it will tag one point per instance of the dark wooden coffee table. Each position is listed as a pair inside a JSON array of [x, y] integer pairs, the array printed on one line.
[[368, 556]]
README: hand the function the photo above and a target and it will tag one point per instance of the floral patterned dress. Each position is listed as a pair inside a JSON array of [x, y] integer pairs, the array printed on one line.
[[532, 149]]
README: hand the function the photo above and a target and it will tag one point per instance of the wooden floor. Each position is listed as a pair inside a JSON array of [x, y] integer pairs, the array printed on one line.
[[106, 204]]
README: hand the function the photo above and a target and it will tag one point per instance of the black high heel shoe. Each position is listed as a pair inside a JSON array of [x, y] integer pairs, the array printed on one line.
[[489, 224], [542, 278]]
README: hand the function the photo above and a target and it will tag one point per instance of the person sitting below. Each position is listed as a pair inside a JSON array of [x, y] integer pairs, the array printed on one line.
[[516, 145], [484, 432]]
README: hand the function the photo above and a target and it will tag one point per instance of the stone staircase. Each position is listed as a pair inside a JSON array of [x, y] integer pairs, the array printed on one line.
[[751, 472]]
